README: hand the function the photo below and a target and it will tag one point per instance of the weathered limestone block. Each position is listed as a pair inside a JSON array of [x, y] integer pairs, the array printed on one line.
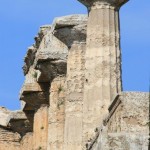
[[9, 140], [27, 142], [13, 126], [32, 92], [132, 114], [29, 111], [69, 21], [4, 116], [74, 97], [42, 32], [16, 121], [8, 135], [19, 123], [40, 130], [51, 58], [71, 30], [30, 56], [29, 59], [122, 141], [56, 118], [127, 126]]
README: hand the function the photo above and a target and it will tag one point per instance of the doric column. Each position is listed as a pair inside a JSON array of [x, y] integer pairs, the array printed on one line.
[[102, 62]]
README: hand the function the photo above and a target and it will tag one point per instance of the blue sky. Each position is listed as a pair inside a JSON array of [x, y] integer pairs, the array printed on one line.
[[21, 19]]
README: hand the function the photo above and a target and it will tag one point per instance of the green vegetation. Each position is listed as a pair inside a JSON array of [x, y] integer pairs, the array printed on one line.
[[60, 89], [34, 75], [60, 102]]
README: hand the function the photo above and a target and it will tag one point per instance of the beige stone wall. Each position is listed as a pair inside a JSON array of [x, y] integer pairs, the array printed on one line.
[[74, 97], [56, 114], [9, 140], [122, 141], [27, 142], [128, 124], [40, 131], [132, 115]]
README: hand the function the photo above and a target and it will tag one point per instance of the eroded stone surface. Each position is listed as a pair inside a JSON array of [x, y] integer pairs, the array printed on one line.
[[128, 124], [132, 115], [56, 118], [30, 56], [70, 29]]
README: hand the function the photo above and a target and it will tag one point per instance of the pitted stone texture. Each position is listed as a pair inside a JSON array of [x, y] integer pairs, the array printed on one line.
[[30, 84], [29, 59], [30, 56], [122, 141], [27, 142], [50, 69], [70, 29], [132, 115], [102, 66], [40, 131], [51, 58], [56, 119], [16, 121], [74, 97], [9, 140], [51, 49], [32, 92], [128, 125], [69, 21], [6, 116]]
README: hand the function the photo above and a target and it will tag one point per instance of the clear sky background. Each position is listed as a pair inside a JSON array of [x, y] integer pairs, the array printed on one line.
[[21, 19]]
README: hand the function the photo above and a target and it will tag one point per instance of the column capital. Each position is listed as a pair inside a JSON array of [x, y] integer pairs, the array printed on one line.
[[114, 3]]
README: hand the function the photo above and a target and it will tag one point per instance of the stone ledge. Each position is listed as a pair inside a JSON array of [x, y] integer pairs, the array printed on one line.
[[70, 29], [125, 98], [15, 121], [113, 106]]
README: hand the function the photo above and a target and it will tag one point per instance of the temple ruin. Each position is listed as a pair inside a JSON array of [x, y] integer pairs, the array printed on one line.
[[72, 97]]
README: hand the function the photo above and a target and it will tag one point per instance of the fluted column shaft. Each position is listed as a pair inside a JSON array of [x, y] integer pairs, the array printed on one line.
[[102, 65]]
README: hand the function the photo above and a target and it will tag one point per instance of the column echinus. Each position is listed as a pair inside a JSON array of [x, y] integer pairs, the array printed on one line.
[[102, 61]]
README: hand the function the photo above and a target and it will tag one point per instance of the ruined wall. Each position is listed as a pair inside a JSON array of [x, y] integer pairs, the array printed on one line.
[[56, 118], [14, 129], [27, 142], [132, 114], [40, 131], [127, 126], [9, 140], [73, 33], [74, 98]]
